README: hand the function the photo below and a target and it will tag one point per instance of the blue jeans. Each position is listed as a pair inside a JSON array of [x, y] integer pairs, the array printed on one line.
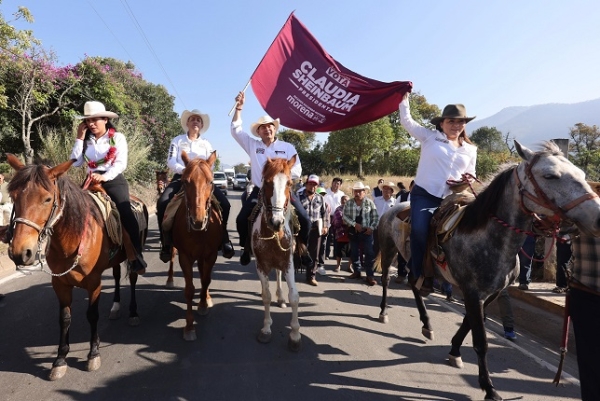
[[367, 248], [526, 262], [421, 202]]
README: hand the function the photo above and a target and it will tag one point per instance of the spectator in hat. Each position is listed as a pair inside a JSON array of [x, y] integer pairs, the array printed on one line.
[[316, 210], [266, 145], [340, 229], [360, 214], [383, 204], [194, 124], [333, 198], [104, 150], [321, 254], [446, 154]]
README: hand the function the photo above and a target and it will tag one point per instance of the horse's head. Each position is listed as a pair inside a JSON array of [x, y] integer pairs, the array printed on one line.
[[277, 182], [162, 180], [198, 186], [552, 186], [37, 206]]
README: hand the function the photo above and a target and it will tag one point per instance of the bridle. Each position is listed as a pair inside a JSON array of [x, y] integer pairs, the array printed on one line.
[[45, 232], [271, 209], [192, 225]]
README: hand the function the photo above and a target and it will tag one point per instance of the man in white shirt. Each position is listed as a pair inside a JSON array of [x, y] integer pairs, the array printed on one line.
[[386, 200], [334, 200], [265, 146]]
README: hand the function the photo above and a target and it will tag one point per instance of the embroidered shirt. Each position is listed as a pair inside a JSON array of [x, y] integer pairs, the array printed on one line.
[[367, 210], [440, 160], [97, 149], [197, 148], [259, 152], [586, 261]]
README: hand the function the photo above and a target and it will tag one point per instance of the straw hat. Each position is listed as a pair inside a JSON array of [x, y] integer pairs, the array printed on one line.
[[93, 109], [358, 186], [388, 184], [187, 114], [262, 121]]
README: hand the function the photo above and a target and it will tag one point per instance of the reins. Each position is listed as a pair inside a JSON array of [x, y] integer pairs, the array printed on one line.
[[270, 208], [204, 225]]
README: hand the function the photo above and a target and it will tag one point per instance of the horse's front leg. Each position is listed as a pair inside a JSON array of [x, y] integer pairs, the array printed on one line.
[[189, 332], [64, 294], [205, 269], [426, 330], [279, 292], [474, 309], [265, 333], [94, 362], [386, 256], [170, 281], [295, 340], [134, 318], [115, 310]]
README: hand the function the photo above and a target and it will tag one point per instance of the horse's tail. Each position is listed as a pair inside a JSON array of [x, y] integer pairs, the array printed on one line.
[[377, 264]]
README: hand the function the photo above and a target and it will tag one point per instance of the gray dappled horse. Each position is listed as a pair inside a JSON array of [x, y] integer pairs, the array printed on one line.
[[482, 256]]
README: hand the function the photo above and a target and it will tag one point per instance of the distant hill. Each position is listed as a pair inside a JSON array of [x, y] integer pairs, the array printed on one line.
[[534, 124]]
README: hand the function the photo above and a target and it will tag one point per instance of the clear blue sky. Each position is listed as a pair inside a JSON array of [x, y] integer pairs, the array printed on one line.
[[486, 54]]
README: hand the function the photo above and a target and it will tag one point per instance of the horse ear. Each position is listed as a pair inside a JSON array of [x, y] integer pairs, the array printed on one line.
[[292, 161], [62, 168], [523, 151], [184, 157], [212, 158], [14, 161]]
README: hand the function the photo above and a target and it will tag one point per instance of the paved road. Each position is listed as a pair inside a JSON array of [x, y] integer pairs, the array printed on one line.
[[346, 353]]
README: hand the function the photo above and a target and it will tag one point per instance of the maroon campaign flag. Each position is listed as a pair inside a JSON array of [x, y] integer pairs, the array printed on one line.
[[303, 86]]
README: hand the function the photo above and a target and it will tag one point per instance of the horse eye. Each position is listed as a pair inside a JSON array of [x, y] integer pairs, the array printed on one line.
[[551, 177], [48, 200]]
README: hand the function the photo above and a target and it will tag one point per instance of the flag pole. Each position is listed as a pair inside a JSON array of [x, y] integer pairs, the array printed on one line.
[[261, 60]]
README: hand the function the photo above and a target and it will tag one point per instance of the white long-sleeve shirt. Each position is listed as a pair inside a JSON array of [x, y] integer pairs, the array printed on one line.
[[197, 148], [259, 152], [440, 160], [97, 149]]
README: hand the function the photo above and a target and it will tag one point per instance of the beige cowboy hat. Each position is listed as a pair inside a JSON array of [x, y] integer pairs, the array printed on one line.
[[359, 186], [388, 184], [457, 111], [263, 121], [187, 114], [93, 109]]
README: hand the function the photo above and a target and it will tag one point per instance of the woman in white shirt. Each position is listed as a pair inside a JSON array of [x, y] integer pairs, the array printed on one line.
[[446, 154]]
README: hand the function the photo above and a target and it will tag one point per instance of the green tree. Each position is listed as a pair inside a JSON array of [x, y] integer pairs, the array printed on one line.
[[361, 142], [585, 148], [302, 140], [489, 139]]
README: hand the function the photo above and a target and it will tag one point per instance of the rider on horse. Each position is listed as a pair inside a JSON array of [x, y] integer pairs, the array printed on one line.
[[194, 124], [260, 150]]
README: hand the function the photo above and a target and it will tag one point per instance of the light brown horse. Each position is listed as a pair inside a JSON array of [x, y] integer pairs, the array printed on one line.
[[48, 206], [273, 244], [197, 234]]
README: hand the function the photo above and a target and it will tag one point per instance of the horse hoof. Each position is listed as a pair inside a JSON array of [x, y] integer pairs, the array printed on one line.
[[57, 372], [282, 304], [189, 335], [264, 337], [456, 361], [384, 319], [428, 333], [170, 284], [203, 310], [93, 364], [294, 345], [134, 321], [114, 315], [492, 395]]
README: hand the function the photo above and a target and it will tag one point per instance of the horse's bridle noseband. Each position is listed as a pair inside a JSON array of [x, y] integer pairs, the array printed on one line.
[[208, 207]]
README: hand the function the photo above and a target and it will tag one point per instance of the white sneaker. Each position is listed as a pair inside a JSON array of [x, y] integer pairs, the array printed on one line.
[[321, 270]]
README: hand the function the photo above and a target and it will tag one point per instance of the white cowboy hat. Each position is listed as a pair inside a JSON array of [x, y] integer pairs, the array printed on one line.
[[262, 121], [358, 186], [187, 114], [94, 109], [313, 178], [388, 184]]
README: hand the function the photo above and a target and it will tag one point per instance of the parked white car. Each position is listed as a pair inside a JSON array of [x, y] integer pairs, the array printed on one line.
[[239, 181], [220, 181]]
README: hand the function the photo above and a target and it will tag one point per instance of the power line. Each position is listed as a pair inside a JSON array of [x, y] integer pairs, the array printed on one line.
[[141, 31], [112, 33]]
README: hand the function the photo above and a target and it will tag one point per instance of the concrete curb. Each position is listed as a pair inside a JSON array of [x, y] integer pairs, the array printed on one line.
[[540, 296]]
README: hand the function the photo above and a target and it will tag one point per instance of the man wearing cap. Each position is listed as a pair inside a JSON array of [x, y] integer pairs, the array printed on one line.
[[194, 124], [266, 146], [360, 214], [334, 200], [319, 219]]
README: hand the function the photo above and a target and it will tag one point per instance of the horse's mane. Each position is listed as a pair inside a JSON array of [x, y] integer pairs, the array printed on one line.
[[78, 202], [489, 200], [274, 167]]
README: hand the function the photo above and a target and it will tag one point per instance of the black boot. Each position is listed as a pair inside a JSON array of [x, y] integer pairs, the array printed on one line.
[[245, 257], [227, 246], [166, 247]]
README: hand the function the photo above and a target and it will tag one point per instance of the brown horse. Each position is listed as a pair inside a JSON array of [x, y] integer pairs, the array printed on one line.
[[162, 180], [48, 206], [273, 244], [197, 234]]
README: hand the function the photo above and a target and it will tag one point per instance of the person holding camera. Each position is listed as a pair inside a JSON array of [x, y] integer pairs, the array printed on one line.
[[360, 214]]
